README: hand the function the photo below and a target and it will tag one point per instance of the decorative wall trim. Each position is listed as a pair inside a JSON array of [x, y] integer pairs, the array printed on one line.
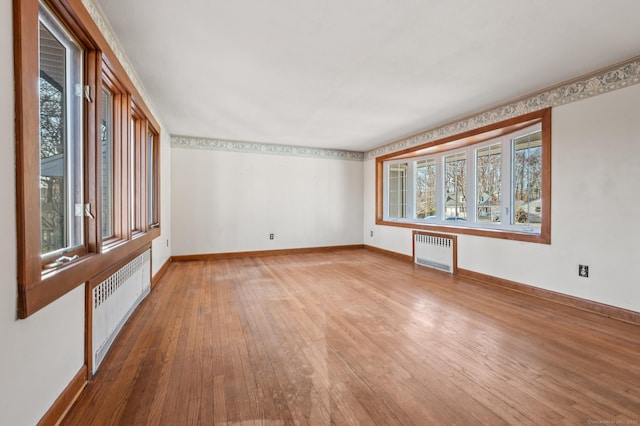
[[263, 148], [600, 82]]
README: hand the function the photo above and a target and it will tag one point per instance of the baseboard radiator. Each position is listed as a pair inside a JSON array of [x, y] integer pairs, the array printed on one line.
[[114, 300], [438, 251]]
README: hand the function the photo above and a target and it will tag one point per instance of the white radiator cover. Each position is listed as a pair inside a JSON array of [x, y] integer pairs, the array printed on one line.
[[114, 300], [435, 251]]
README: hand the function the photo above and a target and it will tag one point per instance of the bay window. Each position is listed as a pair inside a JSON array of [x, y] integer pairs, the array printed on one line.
[[494, 181]]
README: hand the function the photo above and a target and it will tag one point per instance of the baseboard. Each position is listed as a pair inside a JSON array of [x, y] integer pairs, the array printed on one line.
[[63, 403], [158, 276], [563, 299], [614, 312], [390, 253], [260, 253]]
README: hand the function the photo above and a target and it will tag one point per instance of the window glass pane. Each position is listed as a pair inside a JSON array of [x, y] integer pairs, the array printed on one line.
[[489, 183], [60, 114], [150, 172], [106, 131], [132, 174], [527, 179], [398, 190], [426, 189], [455, 181]]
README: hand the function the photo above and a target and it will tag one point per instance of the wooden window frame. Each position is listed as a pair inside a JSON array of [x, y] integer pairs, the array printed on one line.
[[38, 288], [120, 114], [466, 139]]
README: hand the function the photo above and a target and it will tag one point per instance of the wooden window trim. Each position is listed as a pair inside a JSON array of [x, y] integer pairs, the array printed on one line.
[[38, 288], [465, 139], [120, 115]]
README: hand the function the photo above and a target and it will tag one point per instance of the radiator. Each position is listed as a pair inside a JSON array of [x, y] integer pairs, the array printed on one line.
[[114, 300], [437, 251]]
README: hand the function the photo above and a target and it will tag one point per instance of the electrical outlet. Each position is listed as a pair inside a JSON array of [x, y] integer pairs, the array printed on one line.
[[167, 242], [583, 271], [271, 236], [371, 233]]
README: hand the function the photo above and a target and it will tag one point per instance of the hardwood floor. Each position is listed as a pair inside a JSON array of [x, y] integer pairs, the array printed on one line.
[[355, 337]]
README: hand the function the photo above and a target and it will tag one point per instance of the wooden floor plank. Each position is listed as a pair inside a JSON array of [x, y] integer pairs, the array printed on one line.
[[355, 337]]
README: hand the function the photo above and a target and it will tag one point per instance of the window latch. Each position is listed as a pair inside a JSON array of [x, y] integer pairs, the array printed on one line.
[[87, 211], [87, 93], [61, 261]]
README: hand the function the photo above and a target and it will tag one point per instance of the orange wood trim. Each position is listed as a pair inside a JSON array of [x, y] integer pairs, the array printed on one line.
[[379, 189], [26, 68], [113, 268], [545, 231], [390, 253], [163, 269], [66, 279], [562, 299], [233, 255], [434, 234], [63, 403]]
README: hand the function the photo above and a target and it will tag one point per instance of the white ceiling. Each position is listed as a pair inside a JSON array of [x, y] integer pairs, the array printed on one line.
[[357, 74]]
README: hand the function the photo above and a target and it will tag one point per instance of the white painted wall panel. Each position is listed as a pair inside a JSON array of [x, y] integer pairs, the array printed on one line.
[[595, 206], [231, 202], [40, 355], [161, 246]]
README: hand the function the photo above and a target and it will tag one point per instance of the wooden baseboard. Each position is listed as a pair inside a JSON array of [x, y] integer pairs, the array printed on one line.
[[158, 276], [390, 253], [260, 253], [563, 299], [63, 403]]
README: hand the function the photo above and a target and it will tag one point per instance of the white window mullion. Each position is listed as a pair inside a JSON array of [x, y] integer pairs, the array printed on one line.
[[507, 183]]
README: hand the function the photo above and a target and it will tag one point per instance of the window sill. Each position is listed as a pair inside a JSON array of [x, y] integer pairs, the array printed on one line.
[[542, 238], [55, 283]]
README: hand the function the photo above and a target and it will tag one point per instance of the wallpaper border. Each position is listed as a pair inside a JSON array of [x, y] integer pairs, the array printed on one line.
[[612, 78], [263, 148], [600, 82]]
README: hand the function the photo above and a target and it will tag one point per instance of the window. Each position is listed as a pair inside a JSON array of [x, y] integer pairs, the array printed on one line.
[[60, 106], [492, 182], [106, 139], [527, 179], [76, 183], [455, 186], [425, 189], [397, 183], [153, 157], [489, 184]]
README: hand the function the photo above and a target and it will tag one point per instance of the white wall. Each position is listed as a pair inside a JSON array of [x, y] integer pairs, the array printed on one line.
[[40, 355], [595, 209], [161, 246], [231, 202]]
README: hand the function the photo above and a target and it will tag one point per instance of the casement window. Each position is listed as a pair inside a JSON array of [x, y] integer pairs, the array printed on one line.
[[60, 142], [494, 181], [87, 166]]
